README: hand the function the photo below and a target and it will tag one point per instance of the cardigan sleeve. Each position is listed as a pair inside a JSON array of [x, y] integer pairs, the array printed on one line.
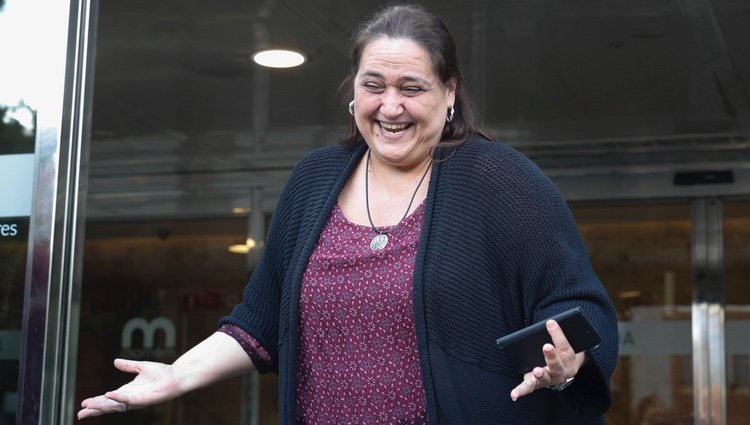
[[501, 251], [269, 294], [259, 356], [556, 274]]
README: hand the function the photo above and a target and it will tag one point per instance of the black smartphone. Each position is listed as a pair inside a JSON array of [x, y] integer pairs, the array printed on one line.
[[524, 347]]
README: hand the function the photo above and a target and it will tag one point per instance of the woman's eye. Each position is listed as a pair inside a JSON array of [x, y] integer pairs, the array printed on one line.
[[372, 87], [412, 91]]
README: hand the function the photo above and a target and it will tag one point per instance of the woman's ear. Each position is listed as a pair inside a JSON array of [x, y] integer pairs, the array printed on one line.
[[450, 85]]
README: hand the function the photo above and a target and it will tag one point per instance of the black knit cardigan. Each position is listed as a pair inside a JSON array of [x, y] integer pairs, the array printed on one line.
[[499, 250]]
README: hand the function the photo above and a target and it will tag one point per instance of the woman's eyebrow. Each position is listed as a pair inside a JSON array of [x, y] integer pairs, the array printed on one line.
[[403, 78]]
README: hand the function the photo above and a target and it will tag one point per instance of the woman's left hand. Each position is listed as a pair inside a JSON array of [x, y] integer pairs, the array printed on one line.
[[562, 363]]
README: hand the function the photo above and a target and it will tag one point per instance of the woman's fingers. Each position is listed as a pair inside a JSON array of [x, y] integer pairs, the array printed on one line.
[[112, 401], [100, 405], [128, 366], [118, 397], [564, 362], [556, 369], [526, 387], [559, 339], [561, 363]]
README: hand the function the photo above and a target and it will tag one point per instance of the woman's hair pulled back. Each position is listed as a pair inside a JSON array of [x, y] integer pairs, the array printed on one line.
[[415, 23]]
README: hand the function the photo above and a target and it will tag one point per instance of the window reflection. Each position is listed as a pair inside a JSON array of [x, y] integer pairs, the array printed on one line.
[[17, 134], [18, 86], [152, 289], [737, 284], [642, 255], [17, 129], [12, 272]]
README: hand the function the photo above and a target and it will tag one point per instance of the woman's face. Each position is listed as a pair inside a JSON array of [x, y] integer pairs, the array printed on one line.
[[400, 104]]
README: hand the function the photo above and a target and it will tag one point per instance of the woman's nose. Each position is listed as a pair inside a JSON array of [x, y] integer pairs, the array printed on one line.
[[391, 103]]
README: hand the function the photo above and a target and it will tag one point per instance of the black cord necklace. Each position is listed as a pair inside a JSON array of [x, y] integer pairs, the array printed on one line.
[[380, 240]]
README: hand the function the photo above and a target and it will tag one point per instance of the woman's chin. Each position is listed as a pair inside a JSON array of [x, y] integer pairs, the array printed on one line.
[[398, 156]]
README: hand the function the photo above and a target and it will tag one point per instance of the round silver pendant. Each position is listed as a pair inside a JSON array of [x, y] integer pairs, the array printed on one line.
[[379, 242]]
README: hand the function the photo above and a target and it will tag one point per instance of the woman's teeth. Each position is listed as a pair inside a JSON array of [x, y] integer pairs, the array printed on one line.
[[394, 128]]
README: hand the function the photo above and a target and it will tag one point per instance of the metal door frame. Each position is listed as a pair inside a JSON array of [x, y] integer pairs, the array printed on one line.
[[51, 299], [708, 312]]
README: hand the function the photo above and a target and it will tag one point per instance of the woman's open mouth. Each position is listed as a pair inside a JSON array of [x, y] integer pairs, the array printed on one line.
[[394, 128]]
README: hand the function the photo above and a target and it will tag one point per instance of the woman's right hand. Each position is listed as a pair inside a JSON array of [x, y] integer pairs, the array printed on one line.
[[216, 358], [154, 383]]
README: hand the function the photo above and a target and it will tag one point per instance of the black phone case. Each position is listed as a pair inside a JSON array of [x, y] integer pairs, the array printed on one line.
[[524, 347]]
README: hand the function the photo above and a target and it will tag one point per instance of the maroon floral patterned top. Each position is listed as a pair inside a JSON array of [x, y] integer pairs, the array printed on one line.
[[358, 360]]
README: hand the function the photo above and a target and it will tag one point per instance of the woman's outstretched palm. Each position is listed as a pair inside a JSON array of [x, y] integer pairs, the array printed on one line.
[[216, 358], [154, 383]]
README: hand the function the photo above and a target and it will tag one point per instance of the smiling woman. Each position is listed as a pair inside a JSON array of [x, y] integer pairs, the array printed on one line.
[[395, 260], [398, 268], [400, 103], [400, 108], [389, 272]]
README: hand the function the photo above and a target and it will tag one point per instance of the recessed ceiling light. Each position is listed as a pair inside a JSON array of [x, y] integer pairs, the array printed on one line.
[[630, 294], [238, 249], [277, 58], [243, 248]]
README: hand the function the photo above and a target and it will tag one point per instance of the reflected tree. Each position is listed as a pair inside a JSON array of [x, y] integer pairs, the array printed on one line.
[[14, 137]]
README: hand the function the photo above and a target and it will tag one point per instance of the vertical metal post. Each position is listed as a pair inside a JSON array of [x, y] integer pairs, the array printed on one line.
[[50, 324], [709, 355], [251, 399], [256, 230]]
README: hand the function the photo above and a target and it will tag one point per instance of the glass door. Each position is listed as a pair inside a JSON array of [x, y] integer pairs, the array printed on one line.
[[737, 281], [44, 56], [642, 254], [18, 107], [152, 289]]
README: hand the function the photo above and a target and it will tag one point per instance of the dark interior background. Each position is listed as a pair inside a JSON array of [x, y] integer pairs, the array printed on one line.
[[610, 97], [585, 88]]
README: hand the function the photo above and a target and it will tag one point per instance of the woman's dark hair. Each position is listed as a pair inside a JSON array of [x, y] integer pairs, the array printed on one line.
[[415, 23]]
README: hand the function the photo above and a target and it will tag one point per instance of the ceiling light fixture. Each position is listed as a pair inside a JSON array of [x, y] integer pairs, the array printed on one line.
[[630, 294], [277, 58], [240, 210], [243, 248]]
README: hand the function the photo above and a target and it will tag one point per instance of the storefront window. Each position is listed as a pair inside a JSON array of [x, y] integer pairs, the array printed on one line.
[[17, 135], [737, 284], [153, 289], [642, 255], [189, 136]]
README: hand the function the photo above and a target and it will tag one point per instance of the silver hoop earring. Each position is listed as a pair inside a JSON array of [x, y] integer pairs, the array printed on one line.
[[351, 108], [451, 111]]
